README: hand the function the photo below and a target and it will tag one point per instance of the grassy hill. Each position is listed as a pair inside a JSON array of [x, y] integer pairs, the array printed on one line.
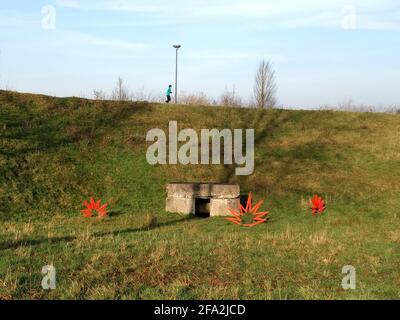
[[57, 152]]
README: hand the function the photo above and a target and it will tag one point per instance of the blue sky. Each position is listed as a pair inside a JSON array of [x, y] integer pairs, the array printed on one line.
[[323, 52]]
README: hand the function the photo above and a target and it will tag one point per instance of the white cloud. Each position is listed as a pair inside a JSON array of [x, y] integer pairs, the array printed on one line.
[[11, 18], [231, 56], [88, 39], [113, 43], [72, 4], [283, 13], [107, 5], [221, 55]]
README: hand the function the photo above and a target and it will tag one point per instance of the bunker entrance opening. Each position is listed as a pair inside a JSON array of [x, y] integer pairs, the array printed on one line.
[[202, 207]]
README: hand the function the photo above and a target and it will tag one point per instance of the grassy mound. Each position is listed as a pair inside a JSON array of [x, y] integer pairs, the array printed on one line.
[[57, 152]]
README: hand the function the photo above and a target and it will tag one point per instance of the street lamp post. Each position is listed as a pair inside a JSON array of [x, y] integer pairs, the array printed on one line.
[[176, 73]]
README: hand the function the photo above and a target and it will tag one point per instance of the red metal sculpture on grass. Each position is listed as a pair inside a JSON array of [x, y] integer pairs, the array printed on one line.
[[257, 217], [94, 206], [317, 205]]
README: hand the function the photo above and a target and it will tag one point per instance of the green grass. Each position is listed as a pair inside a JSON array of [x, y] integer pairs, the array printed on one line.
[[55, 153]]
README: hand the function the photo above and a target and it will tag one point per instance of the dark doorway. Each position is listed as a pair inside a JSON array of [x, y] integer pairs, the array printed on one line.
[[202, 207], [243, 199]]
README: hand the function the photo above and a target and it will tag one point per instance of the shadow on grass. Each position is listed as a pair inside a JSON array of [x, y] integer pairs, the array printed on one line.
[[41, 131], [34, 242], [269, 125], [266, 125], [115, 213]]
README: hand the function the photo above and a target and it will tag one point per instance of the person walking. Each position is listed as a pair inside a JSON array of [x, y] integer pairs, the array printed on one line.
[[169, 93]]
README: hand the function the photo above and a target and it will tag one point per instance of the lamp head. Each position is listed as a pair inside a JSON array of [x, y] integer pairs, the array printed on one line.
[[177, 46]]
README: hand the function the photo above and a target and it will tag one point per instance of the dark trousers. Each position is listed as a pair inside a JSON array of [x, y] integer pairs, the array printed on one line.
[[168, 99]]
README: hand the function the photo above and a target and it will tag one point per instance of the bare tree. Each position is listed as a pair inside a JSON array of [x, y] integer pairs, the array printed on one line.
[[230, 99], [199, 99], [264, 86], [120, 92], [99, 95]]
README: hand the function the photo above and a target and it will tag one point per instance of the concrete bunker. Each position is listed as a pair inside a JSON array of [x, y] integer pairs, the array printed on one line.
[[202, 199]]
